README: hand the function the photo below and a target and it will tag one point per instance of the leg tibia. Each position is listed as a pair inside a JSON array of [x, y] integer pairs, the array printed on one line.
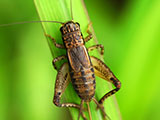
[[97, 47], [54, 41], [86, 39], [58, 59]]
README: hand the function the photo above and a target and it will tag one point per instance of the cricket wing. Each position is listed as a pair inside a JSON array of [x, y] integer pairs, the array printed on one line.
[[78, 57]]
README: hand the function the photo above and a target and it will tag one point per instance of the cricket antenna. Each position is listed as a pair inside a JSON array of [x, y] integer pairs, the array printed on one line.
[[71, 9], [3, 25]]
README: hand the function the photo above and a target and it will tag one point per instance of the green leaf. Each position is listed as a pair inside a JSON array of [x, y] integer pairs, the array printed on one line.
[[60, 10]]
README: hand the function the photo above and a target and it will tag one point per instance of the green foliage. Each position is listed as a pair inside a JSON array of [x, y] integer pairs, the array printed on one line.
[[130, 32], [131, 37]]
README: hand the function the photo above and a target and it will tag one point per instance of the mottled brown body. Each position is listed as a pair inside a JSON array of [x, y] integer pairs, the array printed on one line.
[[81, 69]]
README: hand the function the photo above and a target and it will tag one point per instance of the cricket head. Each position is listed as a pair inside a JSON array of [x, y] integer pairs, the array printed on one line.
[[69, 27], [71, 34]]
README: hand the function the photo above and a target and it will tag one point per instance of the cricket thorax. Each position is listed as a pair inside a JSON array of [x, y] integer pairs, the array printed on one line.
[[71, 34]]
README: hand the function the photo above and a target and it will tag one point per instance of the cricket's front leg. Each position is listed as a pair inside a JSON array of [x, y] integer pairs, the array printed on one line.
[[87, 38], [54, 41]]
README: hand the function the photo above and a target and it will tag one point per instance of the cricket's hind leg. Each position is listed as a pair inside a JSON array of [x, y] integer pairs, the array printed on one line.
[[100, 106], [102, 71], [62, 80]]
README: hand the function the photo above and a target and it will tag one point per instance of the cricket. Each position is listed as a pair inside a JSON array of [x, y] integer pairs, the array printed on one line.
[[80, 69]]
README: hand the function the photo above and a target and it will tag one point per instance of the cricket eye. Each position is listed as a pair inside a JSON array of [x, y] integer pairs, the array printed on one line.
[[61, 29], [111, 78], [77, 24]]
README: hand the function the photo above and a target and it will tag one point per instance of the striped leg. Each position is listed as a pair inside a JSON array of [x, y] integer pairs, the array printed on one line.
[[101, 70], [100, 106], [86, 39], [97, 47], [54, 41], [62, 81], [58, 59]]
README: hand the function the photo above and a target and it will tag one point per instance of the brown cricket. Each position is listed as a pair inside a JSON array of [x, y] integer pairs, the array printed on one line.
[[81, 69]]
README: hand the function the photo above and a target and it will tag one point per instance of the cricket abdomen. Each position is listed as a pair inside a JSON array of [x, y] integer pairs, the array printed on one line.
[[84, 83], [82, 72]]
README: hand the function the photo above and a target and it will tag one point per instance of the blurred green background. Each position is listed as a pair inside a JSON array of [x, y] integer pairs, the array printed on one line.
[[130, 32]]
